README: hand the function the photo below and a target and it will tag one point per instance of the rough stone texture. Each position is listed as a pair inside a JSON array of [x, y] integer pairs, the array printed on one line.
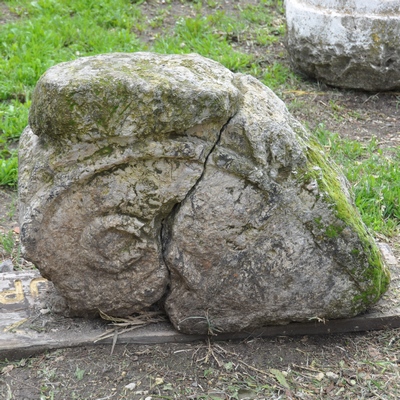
[[6, 266], [350, 44], [148, 176], [262, 242], [114, 142]]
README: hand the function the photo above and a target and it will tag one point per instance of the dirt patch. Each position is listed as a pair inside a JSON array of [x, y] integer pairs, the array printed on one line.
[[307, 367], [163, 15], [354, 115], [338, 367], [6, 15]]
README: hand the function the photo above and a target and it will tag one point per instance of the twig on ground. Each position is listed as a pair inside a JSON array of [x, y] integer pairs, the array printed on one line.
[[122, 325]]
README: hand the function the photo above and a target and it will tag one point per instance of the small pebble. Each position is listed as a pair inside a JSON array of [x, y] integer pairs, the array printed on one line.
[[332, 376], [130, 386]]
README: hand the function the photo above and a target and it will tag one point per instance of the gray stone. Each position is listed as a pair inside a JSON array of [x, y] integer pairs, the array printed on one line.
[[114, 142], [351, 44], [6, 265], [147, 177], [262, 238]]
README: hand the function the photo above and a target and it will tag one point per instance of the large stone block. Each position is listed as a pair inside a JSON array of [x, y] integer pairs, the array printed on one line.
[[114, 143], [147, 178], [351, 44]]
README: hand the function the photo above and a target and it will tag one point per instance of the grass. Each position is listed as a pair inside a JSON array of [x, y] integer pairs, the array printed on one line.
[[9, 170], [46, 32], [10, 249], [375, 178], [7, 242], [197, 35]]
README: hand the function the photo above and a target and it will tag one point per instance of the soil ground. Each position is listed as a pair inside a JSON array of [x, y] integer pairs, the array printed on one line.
[[352, 366]]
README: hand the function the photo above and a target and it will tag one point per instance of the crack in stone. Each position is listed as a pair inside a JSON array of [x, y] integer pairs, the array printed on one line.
[[193, 188], [163, 236]]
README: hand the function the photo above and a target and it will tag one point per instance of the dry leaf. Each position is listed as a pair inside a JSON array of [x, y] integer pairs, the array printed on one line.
[[373, 352], [159, 381], [280, 377], [7, 369]]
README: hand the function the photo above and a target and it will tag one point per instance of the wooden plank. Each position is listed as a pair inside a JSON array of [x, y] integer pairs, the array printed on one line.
[[24, 346], [19, 296], [27, 328]]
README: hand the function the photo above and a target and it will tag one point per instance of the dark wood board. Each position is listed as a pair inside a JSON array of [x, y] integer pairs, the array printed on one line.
[[28, 327]]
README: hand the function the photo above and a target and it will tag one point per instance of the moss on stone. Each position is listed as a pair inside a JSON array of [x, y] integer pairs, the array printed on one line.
[[375, 275], [333, 231]]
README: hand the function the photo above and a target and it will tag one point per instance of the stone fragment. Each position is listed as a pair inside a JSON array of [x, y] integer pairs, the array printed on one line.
[[6, 265], [114, 142], [332, 376], [253, 245], [351, 44], [147, 178]]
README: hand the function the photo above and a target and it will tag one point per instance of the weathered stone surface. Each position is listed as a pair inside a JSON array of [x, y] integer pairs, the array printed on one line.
[[265, 241], [350, 44], [114, 142], [147, 175]]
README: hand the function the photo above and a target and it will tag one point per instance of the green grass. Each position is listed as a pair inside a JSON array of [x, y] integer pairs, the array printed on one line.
[[9, 170], [13, 117], [374, 175], [47, 32], [197, 35], [7, 242]]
